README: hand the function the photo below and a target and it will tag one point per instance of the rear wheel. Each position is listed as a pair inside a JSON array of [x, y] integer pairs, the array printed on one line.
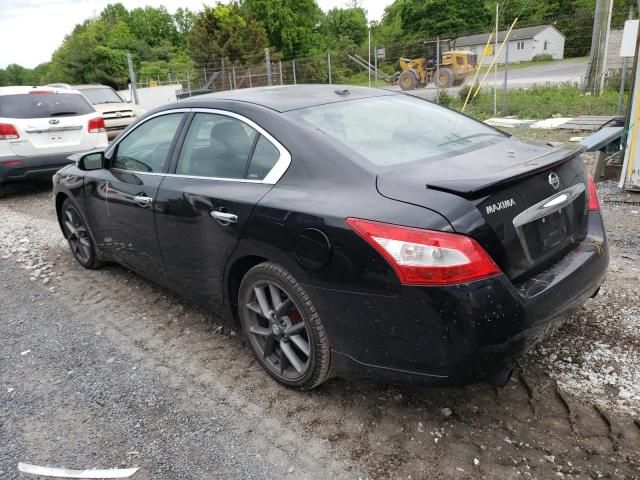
[[76, 232], [283, 328], [445, 78], [407, 80]]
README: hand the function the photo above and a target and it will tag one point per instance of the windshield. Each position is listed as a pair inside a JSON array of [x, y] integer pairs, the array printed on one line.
[[397, 129], [43, 105], [102, 95]]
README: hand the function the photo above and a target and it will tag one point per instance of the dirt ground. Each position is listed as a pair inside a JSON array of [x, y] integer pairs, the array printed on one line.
[[571, 410]]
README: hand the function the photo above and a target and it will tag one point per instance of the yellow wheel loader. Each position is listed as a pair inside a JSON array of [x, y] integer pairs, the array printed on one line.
[[454, 67]]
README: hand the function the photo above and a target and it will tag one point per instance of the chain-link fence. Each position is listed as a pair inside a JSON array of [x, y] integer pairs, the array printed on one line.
[[538, 70]]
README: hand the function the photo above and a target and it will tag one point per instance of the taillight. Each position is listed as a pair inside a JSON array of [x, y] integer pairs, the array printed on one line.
[[40, 92], [8, 132], [96, 125], [594, 203], [11, 163], [427, 257]]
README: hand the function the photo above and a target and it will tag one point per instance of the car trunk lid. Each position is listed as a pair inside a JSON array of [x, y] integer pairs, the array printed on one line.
[[525, 203]]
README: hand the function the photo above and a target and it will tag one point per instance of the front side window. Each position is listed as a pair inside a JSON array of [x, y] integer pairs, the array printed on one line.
[[216, 146], [146, 148]]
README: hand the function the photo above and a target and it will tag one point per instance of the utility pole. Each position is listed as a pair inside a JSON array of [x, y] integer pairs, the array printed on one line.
[[623, 76], [438, 69], [132, 79], [375, 66], [222, 72], [267, 61], [599, 42], [329, 66], [369, 66]]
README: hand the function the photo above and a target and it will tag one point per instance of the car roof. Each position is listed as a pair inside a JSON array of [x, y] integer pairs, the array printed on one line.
[[92, 85], [18, 90], [289, 97]]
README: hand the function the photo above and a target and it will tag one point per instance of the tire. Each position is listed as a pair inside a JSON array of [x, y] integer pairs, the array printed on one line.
[[77, 233], [408, 80], [290, 342], [446, 78]]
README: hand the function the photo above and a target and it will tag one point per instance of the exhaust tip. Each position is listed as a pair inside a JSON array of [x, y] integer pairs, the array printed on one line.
[[501, 377]]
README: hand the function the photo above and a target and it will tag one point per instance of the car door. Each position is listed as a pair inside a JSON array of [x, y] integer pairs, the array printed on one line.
[[225, 166], [120, 199]]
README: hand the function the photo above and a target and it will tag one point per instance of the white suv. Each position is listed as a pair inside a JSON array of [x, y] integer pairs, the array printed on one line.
[[40, 127]]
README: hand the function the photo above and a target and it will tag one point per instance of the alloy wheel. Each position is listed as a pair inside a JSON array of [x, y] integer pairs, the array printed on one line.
[[277, 330], [77, 235]]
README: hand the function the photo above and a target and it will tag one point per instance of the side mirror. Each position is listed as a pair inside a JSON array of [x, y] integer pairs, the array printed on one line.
[[127, 99], [91, 161]]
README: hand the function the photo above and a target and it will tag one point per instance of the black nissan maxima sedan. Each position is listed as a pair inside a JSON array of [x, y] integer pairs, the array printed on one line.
[[348, 231]]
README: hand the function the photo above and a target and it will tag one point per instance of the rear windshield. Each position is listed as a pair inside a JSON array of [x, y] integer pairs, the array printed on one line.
[[101, 95], [43, 105], [397, 129]]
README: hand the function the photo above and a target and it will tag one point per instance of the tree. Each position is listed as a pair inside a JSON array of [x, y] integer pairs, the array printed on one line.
[[184, 19], [221, 32], [153, 25], [429, 18], [345, 22], [290, 24], [15, 74]]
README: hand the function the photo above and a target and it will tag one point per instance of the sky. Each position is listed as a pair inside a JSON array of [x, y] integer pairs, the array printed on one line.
[[30, 30]]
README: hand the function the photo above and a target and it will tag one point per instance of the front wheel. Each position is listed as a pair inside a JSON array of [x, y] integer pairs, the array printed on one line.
[[445, 77], [283, 328], [76, 232], [408, 80]]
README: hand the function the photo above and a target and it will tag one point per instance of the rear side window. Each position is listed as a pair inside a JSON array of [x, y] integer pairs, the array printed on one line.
[[264, 158], [43, 105], [216, 146]]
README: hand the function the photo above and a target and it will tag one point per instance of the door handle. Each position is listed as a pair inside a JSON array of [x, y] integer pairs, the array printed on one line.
[[142, 200], [224, 218]]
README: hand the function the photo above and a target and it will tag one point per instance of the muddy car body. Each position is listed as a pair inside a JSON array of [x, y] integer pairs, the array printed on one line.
[[357, 243]]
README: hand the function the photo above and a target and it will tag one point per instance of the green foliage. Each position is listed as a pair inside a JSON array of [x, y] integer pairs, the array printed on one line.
[[96, 50], [542, 102], [222, 32], [542, 57], [445, 99], [290, 24], [430, 18], [155, 25], [464, 92], [350, 23]]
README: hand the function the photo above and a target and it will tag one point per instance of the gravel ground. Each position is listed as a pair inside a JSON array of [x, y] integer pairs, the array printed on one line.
[[121, 372]]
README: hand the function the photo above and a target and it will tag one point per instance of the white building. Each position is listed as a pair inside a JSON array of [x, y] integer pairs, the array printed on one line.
[[524, 44]]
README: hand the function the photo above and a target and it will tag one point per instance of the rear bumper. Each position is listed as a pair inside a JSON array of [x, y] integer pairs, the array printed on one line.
[[459, 334], [32, 167]]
